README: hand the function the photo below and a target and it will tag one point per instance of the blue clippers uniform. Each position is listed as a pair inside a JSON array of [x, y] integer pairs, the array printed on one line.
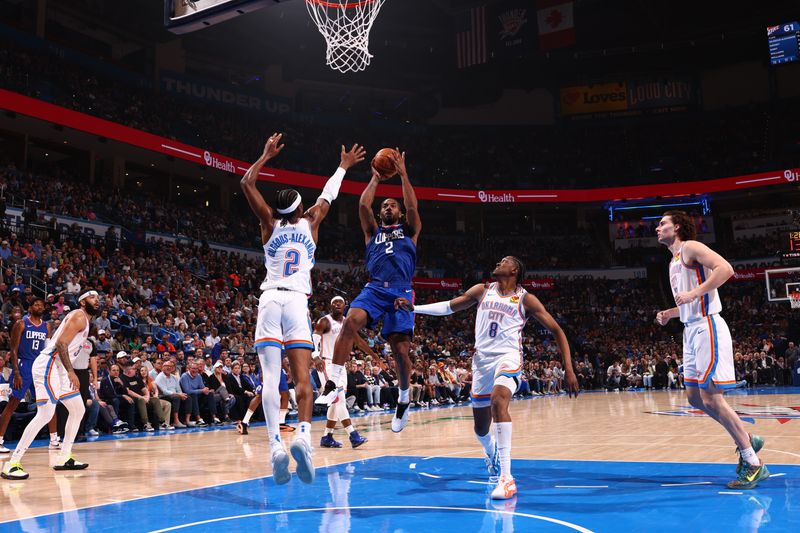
[[391, 258], [30, 344]]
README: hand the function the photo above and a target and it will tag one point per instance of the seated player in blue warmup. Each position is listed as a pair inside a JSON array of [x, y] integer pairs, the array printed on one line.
[[391, 259]]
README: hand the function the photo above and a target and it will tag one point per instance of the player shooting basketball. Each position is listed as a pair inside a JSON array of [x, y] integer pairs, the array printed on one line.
[[391, 259]]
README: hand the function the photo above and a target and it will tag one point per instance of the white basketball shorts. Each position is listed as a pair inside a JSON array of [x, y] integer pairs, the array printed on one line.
[[283, 320], [51, 381], [708, 354], [485, 371]]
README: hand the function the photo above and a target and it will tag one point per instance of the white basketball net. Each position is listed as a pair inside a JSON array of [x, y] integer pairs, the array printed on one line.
[[345, 24], [794, 299]]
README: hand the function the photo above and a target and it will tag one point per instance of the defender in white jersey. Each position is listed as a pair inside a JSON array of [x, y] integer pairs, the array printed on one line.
[[503, 308], [695, 273], [326, 330], [55, 381], [284, 326]]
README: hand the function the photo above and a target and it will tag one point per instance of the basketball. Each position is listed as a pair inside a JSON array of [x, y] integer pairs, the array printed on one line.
[[383, 163]]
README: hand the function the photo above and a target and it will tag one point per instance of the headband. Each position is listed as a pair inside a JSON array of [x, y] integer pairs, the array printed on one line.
[[337, 298], [291, 208], [87, 294]]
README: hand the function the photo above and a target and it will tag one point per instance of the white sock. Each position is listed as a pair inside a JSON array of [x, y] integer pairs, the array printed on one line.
[[282, 417], [502, 433], [349, 429], [248, 416], [304, 431], [487, 441], [338, 375], [53, 437], [403, 396], [750, 457], [328, 431]]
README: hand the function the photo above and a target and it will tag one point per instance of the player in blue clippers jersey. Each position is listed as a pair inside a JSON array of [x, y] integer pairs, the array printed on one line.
[[28, 336], [391, 258]]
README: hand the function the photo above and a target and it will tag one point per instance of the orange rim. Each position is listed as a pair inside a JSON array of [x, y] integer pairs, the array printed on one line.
[[340, 5]]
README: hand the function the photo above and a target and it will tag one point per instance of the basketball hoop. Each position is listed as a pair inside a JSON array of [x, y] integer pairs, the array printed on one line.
[[794, 299], [345, 26]]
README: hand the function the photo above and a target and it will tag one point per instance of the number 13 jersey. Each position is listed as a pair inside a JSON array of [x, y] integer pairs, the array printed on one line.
[[499, 322]]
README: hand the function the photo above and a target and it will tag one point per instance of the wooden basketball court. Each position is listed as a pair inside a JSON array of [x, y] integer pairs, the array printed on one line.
[[626, 427]]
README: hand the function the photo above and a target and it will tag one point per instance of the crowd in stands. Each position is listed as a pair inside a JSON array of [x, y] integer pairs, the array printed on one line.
[[582, 154], [175, 349]]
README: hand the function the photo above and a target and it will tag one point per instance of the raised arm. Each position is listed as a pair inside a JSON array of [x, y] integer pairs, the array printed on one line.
[[365, 213], [317, 213], [533, 307], [459, 303], [250, 178], [409, 196], [721, 270]]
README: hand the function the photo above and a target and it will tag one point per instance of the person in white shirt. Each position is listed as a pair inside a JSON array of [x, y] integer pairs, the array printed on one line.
[[169, 388], [212, 338]]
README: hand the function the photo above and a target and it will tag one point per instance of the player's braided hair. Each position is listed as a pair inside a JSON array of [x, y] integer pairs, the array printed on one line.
[[520, 268], [286, 198]]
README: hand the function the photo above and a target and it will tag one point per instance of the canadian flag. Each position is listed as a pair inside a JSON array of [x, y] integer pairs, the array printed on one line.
[[556, 25]]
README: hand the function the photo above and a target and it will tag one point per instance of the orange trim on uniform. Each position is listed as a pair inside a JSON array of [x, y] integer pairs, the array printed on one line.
[[266, 339], [299, 340], [511, 371], [481, 395], [723, 382], [713, 350], [702, 301]]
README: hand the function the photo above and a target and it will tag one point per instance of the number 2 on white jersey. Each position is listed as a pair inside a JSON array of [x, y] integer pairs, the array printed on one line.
[[292, 261]]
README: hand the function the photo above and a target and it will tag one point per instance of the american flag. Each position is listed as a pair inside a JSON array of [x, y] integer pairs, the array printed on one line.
[[471, 46]]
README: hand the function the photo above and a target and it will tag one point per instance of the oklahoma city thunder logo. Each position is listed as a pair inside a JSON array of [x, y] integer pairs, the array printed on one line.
[[515, 299], [747, 412]]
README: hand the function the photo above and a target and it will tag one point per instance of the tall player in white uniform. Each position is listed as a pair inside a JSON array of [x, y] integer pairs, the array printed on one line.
[[695, 273], [326, 330], [503, 308], [284, 326], [55, 381]]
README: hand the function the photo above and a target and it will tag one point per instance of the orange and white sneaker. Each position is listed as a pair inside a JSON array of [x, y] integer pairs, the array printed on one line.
[[506, 488]]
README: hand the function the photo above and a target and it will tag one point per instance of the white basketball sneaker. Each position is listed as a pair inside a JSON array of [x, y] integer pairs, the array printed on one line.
[[3, 449], [400, 418], [280, 467], [506, 488], [304, 456]]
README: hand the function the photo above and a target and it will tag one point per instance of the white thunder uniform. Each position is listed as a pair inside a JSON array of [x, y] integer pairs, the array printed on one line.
[[707, 344], [283, 319], [498, 341], [49, 375], [328, 341]]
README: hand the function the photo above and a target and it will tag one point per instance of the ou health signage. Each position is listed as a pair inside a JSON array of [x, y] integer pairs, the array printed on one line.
[[453, 284], [53, 114]]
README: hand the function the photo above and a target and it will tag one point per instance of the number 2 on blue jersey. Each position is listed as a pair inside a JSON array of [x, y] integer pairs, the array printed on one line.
[[292, 261]]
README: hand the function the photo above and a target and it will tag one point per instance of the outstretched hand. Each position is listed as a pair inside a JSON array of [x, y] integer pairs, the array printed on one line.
[[273, 146], [399, 159], [354, 156], [404, 304]]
